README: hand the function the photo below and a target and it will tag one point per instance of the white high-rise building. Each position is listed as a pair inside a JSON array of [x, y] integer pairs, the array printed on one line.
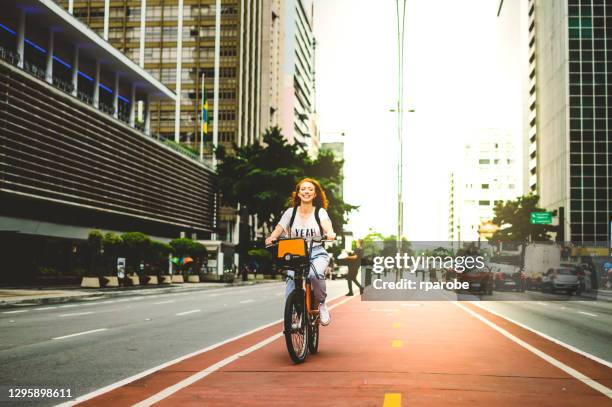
[[488, 173]]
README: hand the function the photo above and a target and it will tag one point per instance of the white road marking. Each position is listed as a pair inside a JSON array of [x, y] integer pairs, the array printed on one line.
[[15, 312], [567, 369], [44, 309], [588, 313], [542, 303], [188, 312], [246, 301], [68, 306], [543, 335], [80, 333], [163, 302], [124, 300], [211, 369], [76, 313], [140, 375]]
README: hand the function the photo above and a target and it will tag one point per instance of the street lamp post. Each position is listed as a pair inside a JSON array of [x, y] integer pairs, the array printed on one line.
[[401, 19]]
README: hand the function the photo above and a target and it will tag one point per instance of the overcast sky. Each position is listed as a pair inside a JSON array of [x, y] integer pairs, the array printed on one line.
[[455, 80]]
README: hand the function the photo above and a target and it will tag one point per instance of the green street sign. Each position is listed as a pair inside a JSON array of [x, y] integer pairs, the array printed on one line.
[[541, 218]]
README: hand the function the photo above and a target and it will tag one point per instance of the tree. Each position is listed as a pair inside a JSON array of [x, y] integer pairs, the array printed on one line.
[[94, 246], [113, 248], [514, 220], [261, 176], [135, 246]]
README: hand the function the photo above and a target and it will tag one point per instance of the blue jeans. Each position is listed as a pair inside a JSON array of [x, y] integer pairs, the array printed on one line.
[[319, 259]]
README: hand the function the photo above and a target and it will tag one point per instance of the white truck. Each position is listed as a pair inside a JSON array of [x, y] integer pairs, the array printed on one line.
[[539, 258]]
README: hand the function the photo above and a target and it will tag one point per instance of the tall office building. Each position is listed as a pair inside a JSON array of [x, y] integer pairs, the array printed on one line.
[[487, 174], [176, 39], [570, 93], [298, 99]]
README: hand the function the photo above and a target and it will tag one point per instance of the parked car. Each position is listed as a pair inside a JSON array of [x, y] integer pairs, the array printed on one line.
[[480, 279], [560, 278]]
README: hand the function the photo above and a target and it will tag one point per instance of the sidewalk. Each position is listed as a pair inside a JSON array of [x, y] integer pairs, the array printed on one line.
[[10, 297]]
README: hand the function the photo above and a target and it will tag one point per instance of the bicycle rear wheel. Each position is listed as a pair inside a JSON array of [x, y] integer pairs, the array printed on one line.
[[296, 326]]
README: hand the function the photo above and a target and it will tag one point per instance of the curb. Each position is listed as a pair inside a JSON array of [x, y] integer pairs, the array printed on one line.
[[144, 290]]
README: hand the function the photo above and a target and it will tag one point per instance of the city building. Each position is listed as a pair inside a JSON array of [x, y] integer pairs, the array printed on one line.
[[568, 138], [243, 101], [298, 86], [77, 153], [488, 173], [337, 149]]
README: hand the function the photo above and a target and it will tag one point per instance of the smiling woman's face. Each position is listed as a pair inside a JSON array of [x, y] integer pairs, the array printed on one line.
[[307, 192]]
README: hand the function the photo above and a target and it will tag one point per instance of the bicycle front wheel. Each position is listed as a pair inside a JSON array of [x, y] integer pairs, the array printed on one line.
[[296, 326]]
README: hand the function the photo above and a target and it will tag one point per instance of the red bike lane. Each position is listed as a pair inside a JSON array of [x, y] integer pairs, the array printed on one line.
[[383, 354]]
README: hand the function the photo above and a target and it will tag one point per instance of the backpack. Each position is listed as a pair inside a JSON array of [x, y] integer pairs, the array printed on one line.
[[316, 214]]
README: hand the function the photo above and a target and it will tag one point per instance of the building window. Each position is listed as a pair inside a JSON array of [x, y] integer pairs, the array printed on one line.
[[485, 186], [484, 203]]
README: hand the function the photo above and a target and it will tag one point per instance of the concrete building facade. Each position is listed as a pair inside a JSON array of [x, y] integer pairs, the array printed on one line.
[[298, 88]]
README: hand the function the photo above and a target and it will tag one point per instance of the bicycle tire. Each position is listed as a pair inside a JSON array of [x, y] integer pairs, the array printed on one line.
[[313, 338], [296, 338]]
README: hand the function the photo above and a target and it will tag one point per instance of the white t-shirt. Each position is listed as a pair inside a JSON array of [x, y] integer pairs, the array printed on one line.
[[301, 228]]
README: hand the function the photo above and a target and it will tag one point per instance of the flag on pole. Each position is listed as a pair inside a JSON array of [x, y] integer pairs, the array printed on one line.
[[204, 110]]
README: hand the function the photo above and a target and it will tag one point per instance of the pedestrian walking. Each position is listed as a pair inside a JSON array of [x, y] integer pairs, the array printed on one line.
[[353, 268]]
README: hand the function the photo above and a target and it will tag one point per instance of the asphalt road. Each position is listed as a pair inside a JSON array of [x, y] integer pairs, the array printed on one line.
[[86, 345]]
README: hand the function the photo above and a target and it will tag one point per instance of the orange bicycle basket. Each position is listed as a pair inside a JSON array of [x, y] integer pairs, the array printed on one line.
[[295, 247]]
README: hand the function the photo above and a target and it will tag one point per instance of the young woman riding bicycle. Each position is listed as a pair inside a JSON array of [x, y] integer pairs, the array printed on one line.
[[307, 217]]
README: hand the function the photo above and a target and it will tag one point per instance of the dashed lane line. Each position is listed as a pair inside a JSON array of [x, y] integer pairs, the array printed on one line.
[[188, 312], [75, 314], [392, 400], [80, 333]]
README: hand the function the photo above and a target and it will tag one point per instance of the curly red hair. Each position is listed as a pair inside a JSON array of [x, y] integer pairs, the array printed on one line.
[[320, 199]]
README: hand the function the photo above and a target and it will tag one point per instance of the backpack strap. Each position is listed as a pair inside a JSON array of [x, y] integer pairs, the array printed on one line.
[[292, 219], [317, 218], [316, 213]]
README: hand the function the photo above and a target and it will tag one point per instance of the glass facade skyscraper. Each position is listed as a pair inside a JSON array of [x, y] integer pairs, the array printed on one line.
[[568, 123], [590, 112]]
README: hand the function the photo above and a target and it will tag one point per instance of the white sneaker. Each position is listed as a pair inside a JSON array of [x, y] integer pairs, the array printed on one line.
[[324, 315]]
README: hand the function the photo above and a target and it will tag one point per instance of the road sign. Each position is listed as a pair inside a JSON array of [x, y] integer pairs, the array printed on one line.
[[541, 218]]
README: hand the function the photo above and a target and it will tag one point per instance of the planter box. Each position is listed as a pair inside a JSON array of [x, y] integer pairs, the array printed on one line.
[[259, 276], [152, 280], [135, 280], [166, 280], [111, 281], [279, 277], [177, 278], [90, 282], [211, 277], [193, 279], [250, 276]]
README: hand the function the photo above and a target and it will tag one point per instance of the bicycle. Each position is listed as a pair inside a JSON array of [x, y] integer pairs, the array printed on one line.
[[301, 319]]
